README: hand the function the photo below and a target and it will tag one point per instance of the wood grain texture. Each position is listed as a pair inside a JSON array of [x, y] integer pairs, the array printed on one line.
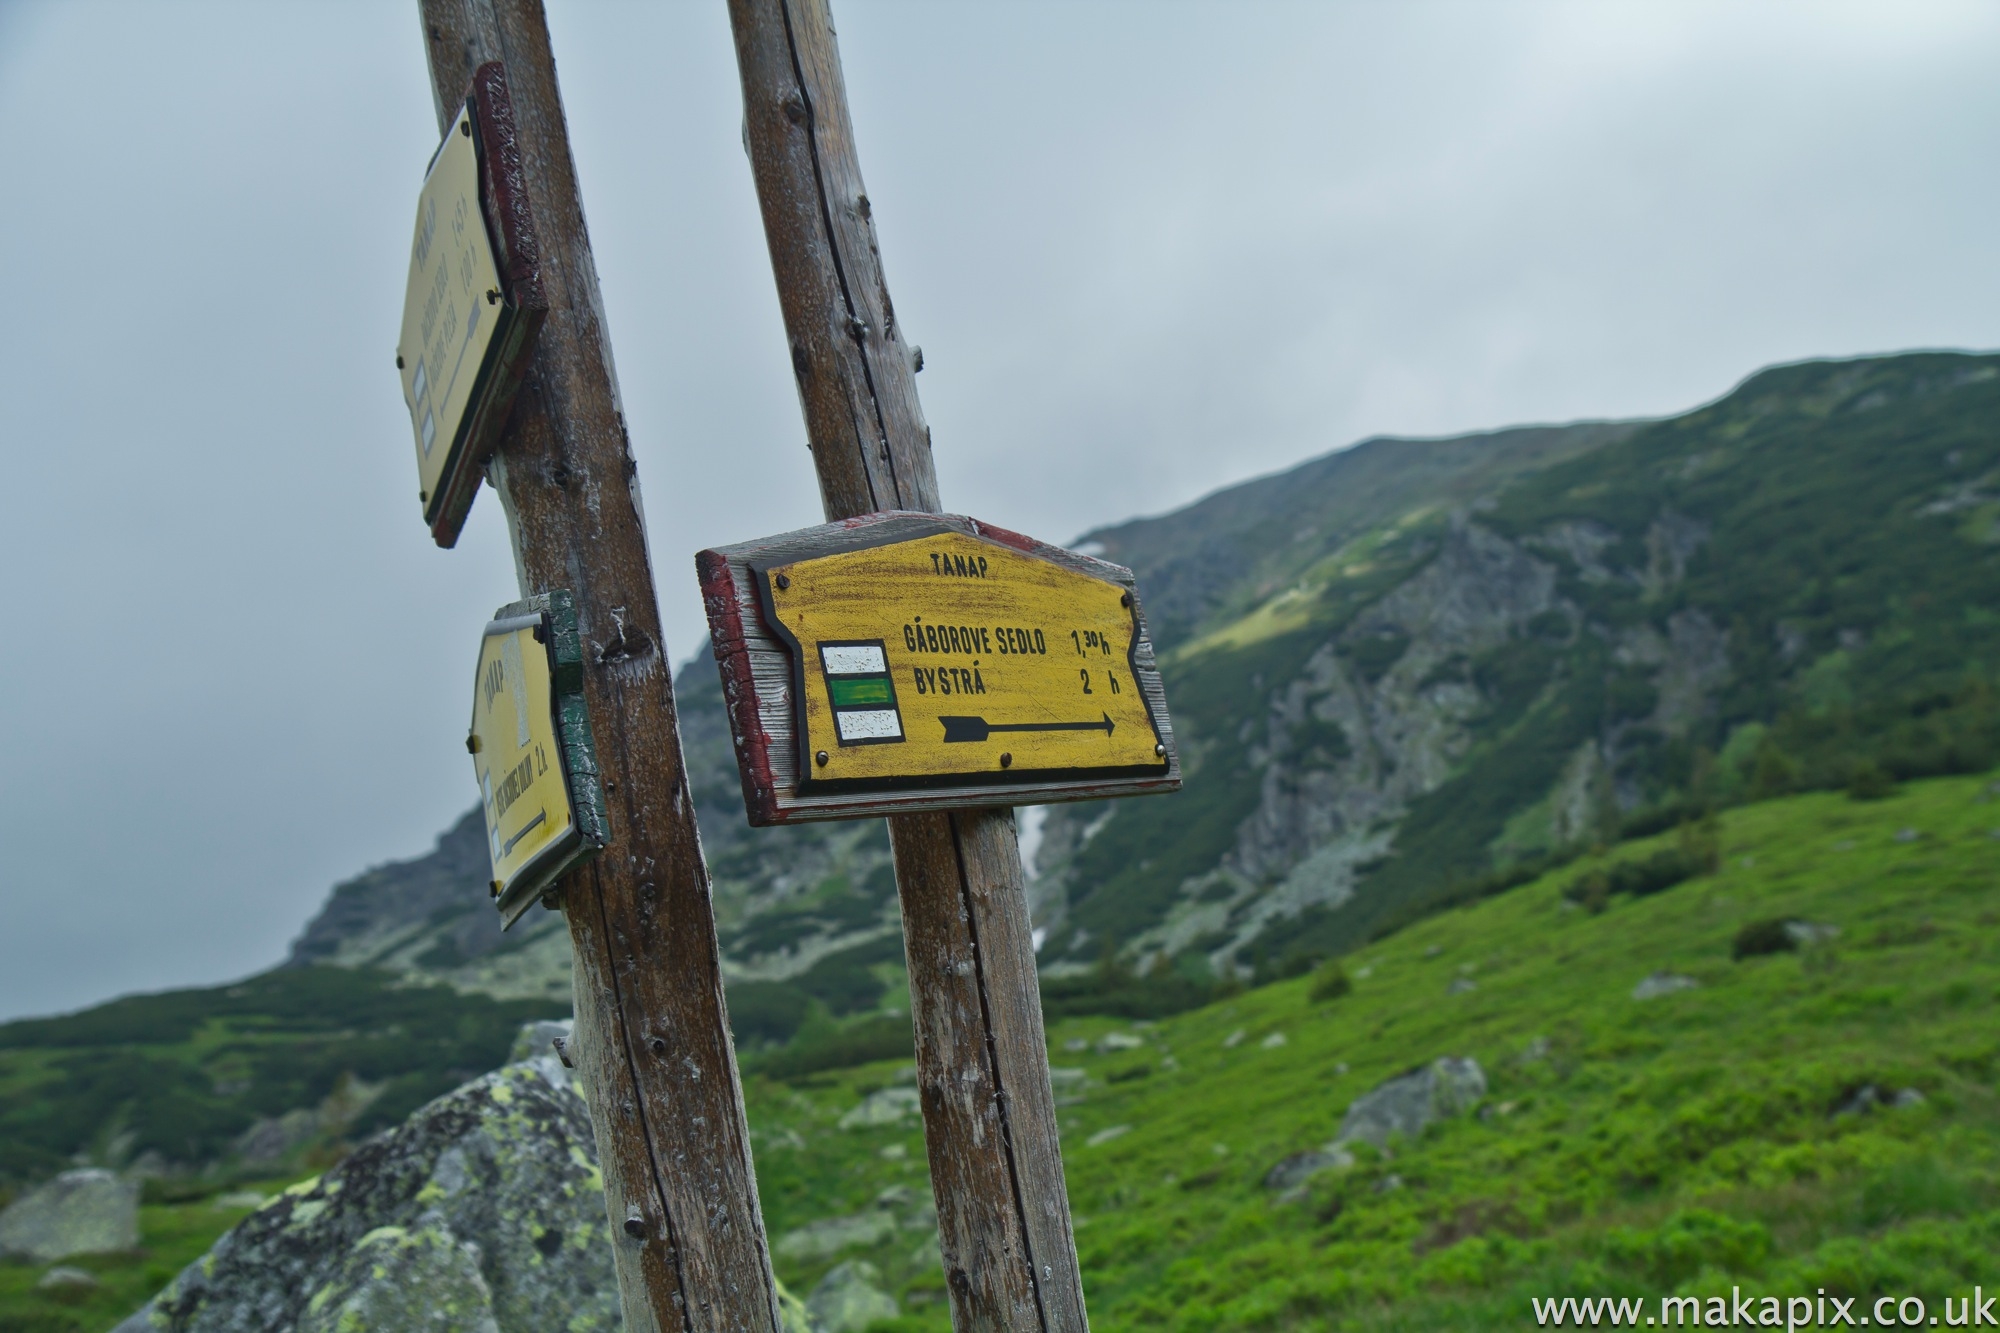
[[758, 678], [853, 368], [652, 1040], [982, 1066], [996, 902]]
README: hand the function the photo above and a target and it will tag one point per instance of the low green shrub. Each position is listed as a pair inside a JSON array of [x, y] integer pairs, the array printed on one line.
[[1114, 990], [1870, 782], [40, 1321], [1913, 1189], [813, 1050], [1654, 874], [766, 1012], [1688, 1242], [1761, 938], [1329, 983]]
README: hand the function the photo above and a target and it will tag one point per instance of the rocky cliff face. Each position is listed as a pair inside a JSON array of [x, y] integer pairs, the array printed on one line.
[[1384, 711], [431, 916]]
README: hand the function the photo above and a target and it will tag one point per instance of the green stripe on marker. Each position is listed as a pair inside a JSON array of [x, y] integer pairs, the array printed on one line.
[[858, 691]]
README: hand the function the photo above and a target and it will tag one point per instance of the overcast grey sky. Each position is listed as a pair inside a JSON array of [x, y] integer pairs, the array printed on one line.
[[1148, 250]]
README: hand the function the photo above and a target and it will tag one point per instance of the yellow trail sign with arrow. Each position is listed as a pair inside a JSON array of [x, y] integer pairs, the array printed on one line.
[[929, 655]]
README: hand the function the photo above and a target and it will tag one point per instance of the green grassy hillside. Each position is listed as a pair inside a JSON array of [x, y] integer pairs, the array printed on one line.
[[1686, 1142], [1625, 1147]]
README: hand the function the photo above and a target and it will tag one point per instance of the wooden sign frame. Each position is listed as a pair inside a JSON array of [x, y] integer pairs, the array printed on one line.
[[552, 618], [764, 683], [520, 308]]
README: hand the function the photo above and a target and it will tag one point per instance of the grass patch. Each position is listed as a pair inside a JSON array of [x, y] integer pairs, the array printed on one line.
[[1625, 1147]]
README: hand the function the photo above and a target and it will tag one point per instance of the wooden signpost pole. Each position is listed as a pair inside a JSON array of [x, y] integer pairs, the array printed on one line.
[[982, 1060], [652, 1041]]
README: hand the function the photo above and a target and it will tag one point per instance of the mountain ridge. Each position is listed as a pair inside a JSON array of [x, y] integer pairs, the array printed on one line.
[[427, 917], [1395, 668], [1655, 624]]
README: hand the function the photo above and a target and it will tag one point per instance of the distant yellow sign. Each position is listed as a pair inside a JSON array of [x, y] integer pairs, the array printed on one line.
[[536, 825], [452, 310], [951, 656]]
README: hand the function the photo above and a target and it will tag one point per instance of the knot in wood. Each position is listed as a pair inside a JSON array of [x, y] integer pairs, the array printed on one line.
[[627, 642], [795, 109], [801, 363]]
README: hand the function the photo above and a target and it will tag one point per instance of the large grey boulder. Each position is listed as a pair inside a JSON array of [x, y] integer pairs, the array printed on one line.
[[79, 1212], [1655, 984], [483, 1213], [889, 1106], [1289, 1176], [830, 1235], [538, 1039], [1404, 1106], [847, 1299]]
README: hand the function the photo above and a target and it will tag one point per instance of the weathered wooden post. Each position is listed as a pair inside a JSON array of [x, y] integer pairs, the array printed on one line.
[[652, 1040], [989, 1114]]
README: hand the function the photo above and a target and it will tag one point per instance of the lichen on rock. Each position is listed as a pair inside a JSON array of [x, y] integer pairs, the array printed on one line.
[[483, 1213]]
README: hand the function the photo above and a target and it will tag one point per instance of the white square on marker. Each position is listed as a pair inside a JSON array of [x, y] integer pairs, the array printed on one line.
[[874, 725], [854, 660]]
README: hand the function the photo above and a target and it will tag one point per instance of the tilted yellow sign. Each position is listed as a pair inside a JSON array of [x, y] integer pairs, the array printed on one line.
[[474, 305], [937, 661], [540, 818]]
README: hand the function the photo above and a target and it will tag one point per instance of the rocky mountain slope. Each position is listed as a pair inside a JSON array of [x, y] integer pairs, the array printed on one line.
[[808, 914], [1402, 669], [1784, 588]]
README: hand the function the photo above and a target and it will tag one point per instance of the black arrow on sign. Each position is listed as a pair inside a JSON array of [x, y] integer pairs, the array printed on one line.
[[978, 728]]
